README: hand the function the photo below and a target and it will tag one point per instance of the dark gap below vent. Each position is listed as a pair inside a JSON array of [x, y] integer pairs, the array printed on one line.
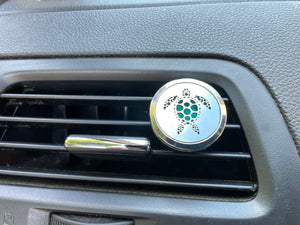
[[223, 166]]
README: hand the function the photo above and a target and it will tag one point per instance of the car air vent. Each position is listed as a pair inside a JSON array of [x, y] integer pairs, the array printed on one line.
[[37, 117]]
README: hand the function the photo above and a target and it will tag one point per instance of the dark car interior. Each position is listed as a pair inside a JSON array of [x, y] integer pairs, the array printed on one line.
[[176, 112]]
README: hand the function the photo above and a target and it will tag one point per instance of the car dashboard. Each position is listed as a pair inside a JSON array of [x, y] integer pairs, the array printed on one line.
[[82, 142]]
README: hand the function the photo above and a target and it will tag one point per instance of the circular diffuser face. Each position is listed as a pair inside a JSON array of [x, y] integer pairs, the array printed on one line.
[[187, 114]]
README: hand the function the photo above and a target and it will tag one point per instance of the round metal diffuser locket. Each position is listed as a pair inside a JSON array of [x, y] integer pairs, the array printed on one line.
[[188, 115]]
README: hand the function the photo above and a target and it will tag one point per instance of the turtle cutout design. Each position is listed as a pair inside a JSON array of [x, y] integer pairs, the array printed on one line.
[[187, 109]]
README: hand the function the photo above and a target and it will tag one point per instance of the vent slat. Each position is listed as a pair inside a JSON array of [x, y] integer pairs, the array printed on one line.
[[74, 97], [46, 122], [154, 152], [78, 97], [204, 154], [225, 185], [32, 146]]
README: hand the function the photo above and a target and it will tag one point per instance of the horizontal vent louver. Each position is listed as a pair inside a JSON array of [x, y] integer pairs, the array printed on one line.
[[37, 117]]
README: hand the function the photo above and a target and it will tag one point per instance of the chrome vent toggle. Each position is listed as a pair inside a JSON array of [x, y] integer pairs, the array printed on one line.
[[90, 144]]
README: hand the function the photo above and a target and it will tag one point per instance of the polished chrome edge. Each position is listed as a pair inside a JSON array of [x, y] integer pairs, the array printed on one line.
[[98, 144], [196, 146]]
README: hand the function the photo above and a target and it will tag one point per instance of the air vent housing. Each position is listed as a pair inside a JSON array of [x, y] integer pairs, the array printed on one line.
[[36, 117]]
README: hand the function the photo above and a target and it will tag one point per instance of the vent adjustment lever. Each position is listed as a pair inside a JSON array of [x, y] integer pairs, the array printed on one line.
[[97, 144]]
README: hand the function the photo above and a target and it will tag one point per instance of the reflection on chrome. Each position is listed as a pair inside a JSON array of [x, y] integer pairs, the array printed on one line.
[[94, 144]]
